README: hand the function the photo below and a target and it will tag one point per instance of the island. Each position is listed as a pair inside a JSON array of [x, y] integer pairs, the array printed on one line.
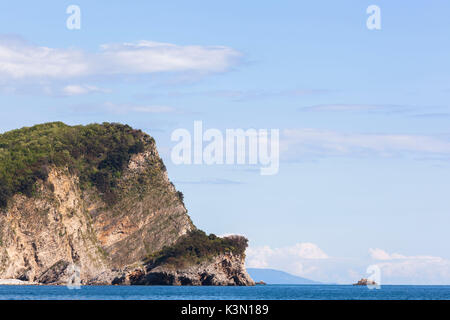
[[94, 204], [365, 282]]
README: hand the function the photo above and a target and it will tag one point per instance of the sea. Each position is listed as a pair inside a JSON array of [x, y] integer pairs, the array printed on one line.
[[263, 292]]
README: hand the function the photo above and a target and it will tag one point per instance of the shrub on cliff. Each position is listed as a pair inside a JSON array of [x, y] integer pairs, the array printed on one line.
[[97, 153], [196, 247]]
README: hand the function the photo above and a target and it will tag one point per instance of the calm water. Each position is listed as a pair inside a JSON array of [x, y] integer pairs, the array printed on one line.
[[269, 292]]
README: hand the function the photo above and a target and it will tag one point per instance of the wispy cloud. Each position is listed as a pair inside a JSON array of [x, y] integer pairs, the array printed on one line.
[[380, 254], [22, 60], [432, 112], [214, 181], [302, 259], [241, 95], [435, 115], [126, 108], [259, 257], [244, 95], [357, 108], [75, 89], [417, 269], [316, 142], [310, 261]]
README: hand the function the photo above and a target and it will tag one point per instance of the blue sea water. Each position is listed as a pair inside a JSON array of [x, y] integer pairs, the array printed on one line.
[[268, 292]]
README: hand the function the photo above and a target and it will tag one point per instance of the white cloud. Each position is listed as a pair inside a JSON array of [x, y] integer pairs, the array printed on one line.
[[150, 57], [210, 181], [306, 250], [420, 269], [124, 108], [309, 261], [244, 95], [292, 259], [20, 60], [341, 107], [357, 108], [153, 109], [380, 254], [74, 90], [297, 142]]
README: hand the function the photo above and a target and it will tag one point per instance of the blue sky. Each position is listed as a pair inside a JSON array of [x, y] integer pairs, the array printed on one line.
[[363, 116]]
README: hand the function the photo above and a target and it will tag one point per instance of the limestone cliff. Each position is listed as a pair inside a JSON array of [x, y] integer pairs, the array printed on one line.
[[222, 270], [100, 214]]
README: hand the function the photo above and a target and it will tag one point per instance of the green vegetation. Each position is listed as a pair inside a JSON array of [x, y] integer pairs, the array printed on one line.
[[196, 247], [97, 153]]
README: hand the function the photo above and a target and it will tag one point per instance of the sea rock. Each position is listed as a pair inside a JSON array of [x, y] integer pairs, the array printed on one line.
[[223, 270], [365, 282]]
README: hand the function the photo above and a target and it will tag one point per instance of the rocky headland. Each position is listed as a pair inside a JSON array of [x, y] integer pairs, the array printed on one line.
[[95, 202]]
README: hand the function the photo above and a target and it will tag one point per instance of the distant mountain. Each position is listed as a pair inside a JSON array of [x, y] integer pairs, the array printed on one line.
[[271, 276]]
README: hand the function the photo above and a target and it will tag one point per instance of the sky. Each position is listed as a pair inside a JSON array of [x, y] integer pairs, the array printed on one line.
[[363, 116]]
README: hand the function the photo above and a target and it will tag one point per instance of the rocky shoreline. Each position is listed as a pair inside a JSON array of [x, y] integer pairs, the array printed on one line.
[[17, 282]]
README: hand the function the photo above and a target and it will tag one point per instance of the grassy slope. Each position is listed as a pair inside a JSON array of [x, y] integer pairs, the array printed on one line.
[[97, 153], [195, 248]]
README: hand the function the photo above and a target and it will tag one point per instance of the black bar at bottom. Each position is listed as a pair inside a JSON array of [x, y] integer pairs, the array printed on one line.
[[229, 309]]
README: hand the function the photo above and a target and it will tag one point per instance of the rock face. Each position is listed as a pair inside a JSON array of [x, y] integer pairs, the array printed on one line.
[[365, 282], [65, 227], [223, 270]]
